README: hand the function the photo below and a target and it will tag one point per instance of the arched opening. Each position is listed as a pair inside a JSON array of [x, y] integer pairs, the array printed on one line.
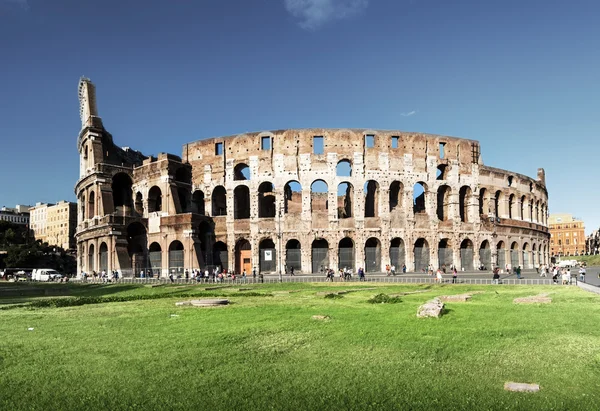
[[266, 200], [343, 168], [91, 259], [345, 194], [92, 205], [122, 194], [440, 174], [537, 211], [511, 204], [183, 175], [243, 256], [241, 172], [241, 202], [443, 202], [139, 204], [445, 256], [485, 255], [531, 210], [371, 190], [154, 200], [463, 204], [419, 192], [320, 255], [535, 256], [421, 255], [137, 247], [466, 255], [484, 202], [318, 197], [103, 257], [155, 259], [526, 256], [372, 255], [514, 255], [219, 201], [396, 191], [204, 247], [497, 199], [268, 256], [397, 253], [83, 208], [501, 254], [293, 255], [346, 254], [176, 258], [184, 199], [220, 256], [523, 202], [293, 197], [198, 202]]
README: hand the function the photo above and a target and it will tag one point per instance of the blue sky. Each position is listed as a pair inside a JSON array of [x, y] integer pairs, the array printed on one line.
[[522, 77]]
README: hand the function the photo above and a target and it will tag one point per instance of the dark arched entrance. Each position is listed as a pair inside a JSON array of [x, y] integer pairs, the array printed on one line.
[[397, 253], [421, 255], [466, 255], [268, 256], [372, 255], [293, 255], [243, 256], [320, 255], [176, 258], [346, 253]]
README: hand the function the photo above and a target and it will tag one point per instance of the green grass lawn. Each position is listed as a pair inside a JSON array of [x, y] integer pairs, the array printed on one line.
[[264, 351]]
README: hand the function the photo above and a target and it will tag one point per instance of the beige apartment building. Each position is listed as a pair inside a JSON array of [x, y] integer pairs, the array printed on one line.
[[55, 223], [567, 235]]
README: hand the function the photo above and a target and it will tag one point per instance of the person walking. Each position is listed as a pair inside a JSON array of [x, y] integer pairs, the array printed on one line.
[[518, 272], [582, 274], [496, 276], [438, 276], [454, 275]]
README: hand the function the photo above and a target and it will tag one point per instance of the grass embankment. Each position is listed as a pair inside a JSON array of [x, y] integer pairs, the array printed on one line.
[[590, 260], [266, 352]]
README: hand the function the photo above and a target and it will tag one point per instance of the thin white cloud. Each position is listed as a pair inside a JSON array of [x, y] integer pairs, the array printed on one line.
[[410, 113], [313, 14]]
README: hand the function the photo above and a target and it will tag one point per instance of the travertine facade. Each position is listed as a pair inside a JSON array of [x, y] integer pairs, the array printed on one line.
[[307, 199]]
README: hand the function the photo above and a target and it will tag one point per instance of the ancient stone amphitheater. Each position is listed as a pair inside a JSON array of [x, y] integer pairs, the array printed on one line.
[[303, 198]]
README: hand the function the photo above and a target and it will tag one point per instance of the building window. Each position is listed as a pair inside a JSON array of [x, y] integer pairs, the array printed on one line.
[[318, 145], [510, 181], [395, 140], [265, 143], [219, 149], [369, 141], [442, 150]]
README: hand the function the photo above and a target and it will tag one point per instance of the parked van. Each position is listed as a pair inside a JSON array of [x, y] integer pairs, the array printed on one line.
[[45, 274]]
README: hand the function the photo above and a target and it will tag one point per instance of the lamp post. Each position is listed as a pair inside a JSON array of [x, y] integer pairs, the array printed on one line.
[[279, 213]]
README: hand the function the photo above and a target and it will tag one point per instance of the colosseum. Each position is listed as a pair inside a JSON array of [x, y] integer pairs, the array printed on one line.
[[302, 198]]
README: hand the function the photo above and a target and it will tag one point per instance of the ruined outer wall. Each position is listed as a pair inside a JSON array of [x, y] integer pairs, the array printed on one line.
[[491, 215]]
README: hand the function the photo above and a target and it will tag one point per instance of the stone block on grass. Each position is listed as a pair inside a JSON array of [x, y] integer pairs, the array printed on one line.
[[534, 299], [432, 308], [455, 298], [521, 387]]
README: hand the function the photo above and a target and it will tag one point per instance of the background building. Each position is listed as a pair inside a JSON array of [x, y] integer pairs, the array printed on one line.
[[567, 235], [38, 216], [61, 224], [17, 215]]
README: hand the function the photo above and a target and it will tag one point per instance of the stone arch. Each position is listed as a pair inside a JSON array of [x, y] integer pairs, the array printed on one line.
[[485, 255], [397, 253], [511, 205], [372, 255], [241, 172], [83, 208], [526, 255], [266, 200], [139, 203], [122, 193], [205, 235], [345, 196], [346, 253], [514, 254], [219, 201], [396, 193], [137, 243], [154, 199], [292, 196], [318, 196], [243, 256], [268, 256], [523, 201], [421, 254], [484, 202], [176, 257], [443, 202], [445, 253], [198, 205], [501, 254], [344, 168], [293, 255], [371, 190], [419, 193], [184, 199], [537, 211], [498, 197], [464, 196], [155, 259], [241, 202], [466, 255], [220, 256], [319, 255]]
